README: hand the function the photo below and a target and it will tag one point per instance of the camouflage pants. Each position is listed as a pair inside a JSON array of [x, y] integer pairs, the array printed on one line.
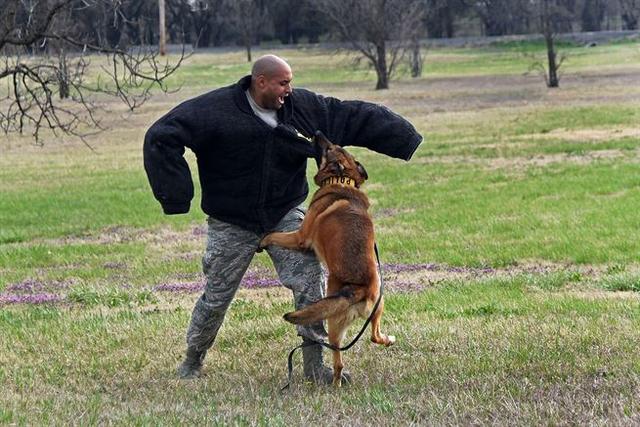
[[229, 252]]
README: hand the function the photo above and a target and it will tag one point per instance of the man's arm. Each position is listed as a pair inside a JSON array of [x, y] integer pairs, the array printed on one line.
[[372, 126], [164, 162], [356, 123]]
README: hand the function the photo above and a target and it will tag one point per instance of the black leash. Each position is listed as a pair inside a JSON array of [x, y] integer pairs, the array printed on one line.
[[309, 342]]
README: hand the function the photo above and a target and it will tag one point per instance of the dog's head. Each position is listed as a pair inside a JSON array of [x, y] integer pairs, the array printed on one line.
[[335, 161]]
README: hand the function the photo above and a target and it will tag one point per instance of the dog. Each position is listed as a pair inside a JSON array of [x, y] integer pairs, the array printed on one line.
[[339, 229]]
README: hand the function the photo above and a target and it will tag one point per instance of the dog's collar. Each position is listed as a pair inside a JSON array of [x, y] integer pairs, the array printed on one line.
[[340, 180]]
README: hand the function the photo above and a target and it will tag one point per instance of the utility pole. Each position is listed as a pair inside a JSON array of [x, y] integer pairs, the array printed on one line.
[[163, 33]]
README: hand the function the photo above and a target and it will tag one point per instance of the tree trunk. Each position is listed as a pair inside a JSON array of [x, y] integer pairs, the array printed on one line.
[[553, 65], [163, 34], [381, 67], [416, 59], [448, 18], [63, 75], [248, 46], [630, 21]]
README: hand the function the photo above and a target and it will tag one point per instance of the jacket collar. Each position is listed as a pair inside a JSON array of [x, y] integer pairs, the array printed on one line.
[[284, 114]]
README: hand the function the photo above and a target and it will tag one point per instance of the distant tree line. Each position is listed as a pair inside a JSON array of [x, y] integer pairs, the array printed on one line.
[[206, 23], [382, 31], [45, 44], [220, 22]]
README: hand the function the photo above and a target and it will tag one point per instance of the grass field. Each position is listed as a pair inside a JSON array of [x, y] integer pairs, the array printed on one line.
[[510, 247]]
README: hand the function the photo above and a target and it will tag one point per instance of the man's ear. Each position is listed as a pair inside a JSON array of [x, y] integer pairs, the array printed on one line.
[[361, 170]]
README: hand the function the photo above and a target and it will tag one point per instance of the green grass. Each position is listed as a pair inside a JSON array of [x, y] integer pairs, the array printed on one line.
[[498, 350], [524, 198]]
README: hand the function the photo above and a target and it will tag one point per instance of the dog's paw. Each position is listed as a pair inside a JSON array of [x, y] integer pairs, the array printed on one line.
[[263, 244], [391, 340], [288, 317]]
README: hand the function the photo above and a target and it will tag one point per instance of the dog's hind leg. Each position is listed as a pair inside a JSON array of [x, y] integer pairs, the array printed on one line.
[[337, 330], [376, 336]]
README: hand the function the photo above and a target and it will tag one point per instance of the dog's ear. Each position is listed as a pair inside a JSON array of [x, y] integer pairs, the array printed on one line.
[[321, 140], [361, 170], [320, 144]]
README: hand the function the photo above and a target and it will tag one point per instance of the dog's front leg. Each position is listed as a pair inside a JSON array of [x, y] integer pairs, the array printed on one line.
[[290, 240]]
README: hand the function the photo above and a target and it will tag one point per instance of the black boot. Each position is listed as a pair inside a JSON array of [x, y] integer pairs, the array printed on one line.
[[314, 367], [191, 366]]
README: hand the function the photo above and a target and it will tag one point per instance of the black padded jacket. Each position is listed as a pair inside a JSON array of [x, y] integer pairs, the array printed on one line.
[[251, 175]]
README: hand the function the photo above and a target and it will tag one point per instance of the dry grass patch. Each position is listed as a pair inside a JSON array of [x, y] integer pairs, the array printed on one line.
[[588, 135], [540, 160]]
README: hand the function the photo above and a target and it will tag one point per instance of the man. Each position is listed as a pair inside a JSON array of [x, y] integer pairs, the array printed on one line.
[[251, 141]]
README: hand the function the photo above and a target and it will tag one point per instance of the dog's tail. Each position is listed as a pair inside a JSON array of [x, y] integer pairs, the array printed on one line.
[[328, 306]]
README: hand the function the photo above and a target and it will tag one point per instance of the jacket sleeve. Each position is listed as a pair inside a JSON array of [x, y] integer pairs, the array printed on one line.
[[372, 126], [164, 162]]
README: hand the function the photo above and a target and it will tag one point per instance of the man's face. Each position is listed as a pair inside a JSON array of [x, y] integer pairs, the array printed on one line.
[[272, 90]]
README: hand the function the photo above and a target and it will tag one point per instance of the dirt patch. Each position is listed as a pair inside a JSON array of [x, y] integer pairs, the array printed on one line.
[[541, 160], [577, 279], [476, 92], [548, 159], [115, 235], [391, 212], [261, 284], [590, 135]]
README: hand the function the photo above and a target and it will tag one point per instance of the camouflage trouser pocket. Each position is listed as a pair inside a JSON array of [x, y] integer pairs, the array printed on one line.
[[229, 249]]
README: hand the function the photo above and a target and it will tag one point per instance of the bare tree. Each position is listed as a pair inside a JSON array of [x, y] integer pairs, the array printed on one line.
[[500, 17], [45, 46], [162, 28], [553, 16], [593, 13], [250, 18], [630, 13], [293, 19], [440, 16], [207, 22], [380, 30], [416, 60]]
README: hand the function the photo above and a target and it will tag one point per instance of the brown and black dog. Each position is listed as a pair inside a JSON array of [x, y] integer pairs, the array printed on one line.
[[339, 229]]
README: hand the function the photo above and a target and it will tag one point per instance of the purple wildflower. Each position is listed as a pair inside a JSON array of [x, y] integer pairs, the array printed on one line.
[[259, 278], [32, 286], [189, 287], [406, 286], [115, 265], [199, 230], [43, 298], [260, 282], [407, 268], [402, 268]]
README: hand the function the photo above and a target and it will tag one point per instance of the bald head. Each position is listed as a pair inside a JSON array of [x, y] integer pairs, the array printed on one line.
[[270, 82], [268, 66]]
